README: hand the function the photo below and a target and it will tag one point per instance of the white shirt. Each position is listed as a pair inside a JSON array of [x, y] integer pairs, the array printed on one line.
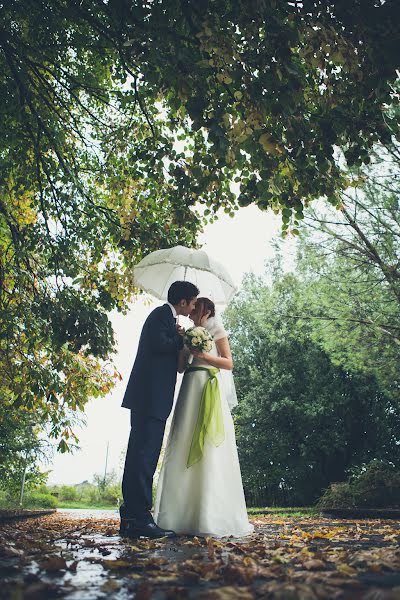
[[172, 307]]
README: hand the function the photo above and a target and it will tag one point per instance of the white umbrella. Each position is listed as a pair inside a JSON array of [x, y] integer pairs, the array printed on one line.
[[159, 269]]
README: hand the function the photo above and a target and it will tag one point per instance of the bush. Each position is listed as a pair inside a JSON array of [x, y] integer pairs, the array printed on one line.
[[376, 485], [40, 500], [92, 496], [111, 494], [68, 492]]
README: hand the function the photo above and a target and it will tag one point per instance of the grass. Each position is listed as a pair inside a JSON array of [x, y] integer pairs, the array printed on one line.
[[302, 511], [253, 511], [278, 511], [25, 506], [9, 505], [87, 505]]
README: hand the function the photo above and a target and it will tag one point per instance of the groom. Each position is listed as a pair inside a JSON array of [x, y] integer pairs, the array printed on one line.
[[149, 395]]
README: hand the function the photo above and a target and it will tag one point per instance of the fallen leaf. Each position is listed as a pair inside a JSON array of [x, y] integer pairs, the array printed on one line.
[[11, 551], [346, 569], [54, 563], [248, 561], [196, 541], [40, 590], [73, 566], [210, 548], [144, 591], [116, 564], [236, 574], [111, 585], [314, 564], [225, 593], [155, 563]]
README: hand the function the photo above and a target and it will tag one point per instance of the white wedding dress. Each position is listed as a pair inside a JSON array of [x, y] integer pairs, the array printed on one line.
[[207, 498]]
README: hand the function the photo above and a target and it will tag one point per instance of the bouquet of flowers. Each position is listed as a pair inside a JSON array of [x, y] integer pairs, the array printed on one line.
[[198, 338]]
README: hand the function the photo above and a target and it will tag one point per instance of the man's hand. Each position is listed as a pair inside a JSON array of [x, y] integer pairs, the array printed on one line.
[[180, 329]]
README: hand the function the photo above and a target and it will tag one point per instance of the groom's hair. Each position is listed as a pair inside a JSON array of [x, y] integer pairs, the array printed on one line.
[[182, 290]]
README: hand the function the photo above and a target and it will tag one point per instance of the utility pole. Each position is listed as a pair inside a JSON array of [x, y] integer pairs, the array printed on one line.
[[105, 468], [27, 456], [21, 496]]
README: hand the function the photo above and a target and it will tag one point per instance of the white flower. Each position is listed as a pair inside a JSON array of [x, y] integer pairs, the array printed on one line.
[[198, 338]]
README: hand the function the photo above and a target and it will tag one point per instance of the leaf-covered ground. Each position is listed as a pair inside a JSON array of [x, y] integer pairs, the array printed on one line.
[[289, 558]]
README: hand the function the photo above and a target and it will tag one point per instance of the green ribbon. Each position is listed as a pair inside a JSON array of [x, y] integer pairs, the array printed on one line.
[[209, 421]]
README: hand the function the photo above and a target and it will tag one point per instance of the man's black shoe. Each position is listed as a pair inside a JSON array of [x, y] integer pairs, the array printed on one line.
[[123, 527], [131, 529]]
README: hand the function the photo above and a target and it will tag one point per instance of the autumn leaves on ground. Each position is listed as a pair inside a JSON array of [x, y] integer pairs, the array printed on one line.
[[303, 558]]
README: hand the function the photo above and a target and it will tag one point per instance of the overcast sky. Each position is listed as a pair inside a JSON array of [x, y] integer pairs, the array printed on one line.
[[242, 244]]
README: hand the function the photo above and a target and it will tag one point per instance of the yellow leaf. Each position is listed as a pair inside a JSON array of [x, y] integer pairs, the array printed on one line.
[[249, 562], [116, 564], [346, 569], [268, 146], [110, 586], [210, 548]]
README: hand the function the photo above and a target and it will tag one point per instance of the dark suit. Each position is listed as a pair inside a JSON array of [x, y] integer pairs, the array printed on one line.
[[149, 394]]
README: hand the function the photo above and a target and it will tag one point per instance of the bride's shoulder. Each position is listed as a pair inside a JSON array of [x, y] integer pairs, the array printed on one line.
[[216, 327]]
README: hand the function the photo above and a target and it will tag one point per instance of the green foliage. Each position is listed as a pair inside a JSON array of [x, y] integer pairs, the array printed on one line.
[[112, 493], [351, 266], [40, 500], [79, 205], [124, 127], [376, 485], [105, 481], [302, 421], [276, 511], [68, 492], [102, 492], [317, 353], [21, 449]]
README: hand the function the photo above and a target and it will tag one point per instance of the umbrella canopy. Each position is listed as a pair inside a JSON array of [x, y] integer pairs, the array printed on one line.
[[159, 269]]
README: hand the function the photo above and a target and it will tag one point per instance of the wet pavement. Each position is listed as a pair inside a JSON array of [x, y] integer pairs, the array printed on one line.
[[78, 555], [89, 513]]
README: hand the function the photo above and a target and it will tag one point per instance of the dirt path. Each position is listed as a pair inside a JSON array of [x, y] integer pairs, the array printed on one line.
[[286, 559]]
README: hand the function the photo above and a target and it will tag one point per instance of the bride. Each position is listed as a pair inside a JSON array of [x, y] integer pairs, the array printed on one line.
[[201, 493]]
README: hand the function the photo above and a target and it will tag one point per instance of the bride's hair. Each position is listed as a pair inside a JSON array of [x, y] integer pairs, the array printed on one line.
[[203, 305]]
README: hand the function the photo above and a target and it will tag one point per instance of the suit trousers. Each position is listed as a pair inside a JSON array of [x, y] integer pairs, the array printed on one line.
[[144, 446]]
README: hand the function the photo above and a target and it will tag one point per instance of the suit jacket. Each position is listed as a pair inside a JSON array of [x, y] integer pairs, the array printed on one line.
[[151, 385]]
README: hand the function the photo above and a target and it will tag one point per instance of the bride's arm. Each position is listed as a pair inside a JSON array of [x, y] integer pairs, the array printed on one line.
[[182, 359], [224, 360]]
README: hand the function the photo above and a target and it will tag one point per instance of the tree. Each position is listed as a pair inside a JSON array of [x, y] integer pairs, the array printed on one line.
[[105, 480], [351, 261], [302, 421], [77, 210], [21, 449], [124, 125]]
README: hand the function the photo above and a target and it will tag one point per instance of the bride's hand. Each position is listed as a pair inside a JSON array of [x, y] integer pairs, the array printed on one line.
[[199, 354], [204, 318]]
